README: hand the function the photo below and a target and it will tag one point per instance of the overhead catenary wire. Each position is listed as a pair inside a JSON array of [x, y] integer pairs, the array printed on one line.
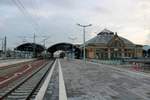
[[37, 8], [36, 4], [30, 15], [24, 11]]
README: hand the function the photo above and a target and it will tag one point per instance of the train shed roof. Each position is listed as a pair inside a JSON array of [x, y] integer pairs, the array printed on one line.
[[30, 47]]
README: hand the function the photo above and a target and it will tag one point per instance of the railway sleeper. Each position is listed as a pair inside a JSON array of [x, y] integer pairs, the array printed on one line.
[[16, 97], [20, 94]]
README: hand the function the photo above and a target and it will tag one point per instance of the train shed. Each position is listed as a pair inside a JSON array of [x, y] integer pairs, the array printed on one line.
[[30, 49]]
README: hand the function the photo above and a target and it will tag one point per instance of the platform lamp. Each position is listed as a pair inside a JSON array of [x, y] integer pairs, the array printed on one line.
[[84, 26]]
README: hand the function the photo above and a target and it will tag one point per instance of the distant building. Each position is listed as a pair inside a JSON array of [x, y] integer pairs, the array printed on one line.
[[108, 45]]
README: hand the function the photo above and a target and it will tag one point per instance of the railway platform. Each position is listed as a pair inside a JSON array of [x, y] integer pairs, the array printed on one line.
[[8, 62], [64, 79], [93, 81]]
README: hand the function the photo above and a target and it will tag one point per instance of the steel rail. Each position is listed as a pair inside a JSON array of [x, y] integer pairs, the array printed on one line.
[[23, 81], [44, 87], [44, 76]]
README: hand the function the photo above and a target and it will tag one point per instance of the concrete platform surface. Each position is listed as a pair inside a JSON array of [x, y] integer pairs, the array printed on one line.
[[101, 82], [13, 61]]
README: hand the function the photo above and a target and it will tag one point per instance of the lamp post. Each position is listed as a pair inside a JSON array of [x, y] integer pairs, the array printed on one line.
[[2, 43], [34, 45], [84, 26]]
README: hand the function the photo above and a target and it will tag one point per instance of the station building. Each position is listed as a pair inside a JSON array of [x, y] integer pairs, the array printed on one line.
[[108, 45]]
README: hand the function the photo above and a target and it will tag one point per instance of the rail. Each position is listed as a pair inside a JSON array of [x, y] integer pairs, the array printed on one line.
[[43, 89], [43, 68]]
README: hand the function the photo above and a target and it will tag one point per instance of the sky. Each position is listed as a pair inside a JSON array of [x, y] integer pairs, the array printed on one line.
[[56, 20]]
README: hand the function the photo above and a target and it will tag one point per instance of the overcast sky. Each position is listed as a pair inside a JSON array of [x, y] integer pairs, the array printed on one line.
[[57, 20]]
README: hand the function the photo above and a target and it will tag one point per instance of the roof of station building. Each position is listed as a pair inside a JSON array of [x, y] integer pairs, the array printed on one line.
[[60, 46], [30, 46], [105, 36]]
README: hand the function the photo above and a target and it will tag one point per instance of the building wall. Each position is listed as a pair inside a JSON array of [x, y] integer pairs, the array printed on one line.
[[139, 51], [114, 49], [90, 52], [101, 52]]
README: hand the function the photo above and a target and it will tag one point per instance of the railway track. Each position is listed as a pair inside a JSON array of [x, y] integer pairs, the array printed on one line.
[[52, 92], [53, 87], [28, 87]]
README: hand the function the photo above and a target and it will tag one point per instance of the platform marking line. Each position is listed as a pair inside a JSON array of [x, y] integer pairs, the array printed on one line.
[[62, 88], [44, 87]]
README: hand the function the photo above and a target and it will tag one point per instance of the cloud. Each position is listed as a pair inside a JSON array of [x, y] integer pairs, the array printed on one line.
[[59, 17], [5, 2]]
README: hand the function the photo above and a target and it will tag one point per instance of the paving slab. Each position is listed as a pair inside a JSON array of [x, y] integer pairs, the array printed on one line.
[[102, 82]]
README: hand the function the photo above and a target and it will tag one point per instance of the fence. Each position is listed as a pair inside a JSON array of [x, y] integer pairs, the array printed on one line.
[[110, 62]]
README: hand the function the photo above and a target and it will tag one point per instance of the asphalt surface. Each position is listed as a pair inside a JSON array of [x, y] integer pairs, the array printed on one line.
[[103, 82]]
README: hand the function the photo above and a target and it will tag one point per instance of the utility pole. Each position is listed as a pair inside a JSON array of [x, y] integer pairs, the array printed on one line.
[[84, 26], [44, 44], [5, 46], [44, 40], [2, 44], [34, 46]]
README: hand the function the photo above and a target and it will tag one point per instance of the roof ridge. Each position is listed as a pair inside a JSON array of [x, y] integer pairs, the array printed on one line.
[[106, 30]]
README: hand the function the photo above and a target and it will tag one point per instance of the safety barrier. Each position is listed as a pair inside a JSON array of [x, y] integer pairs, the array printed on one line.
[[110, 62]]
